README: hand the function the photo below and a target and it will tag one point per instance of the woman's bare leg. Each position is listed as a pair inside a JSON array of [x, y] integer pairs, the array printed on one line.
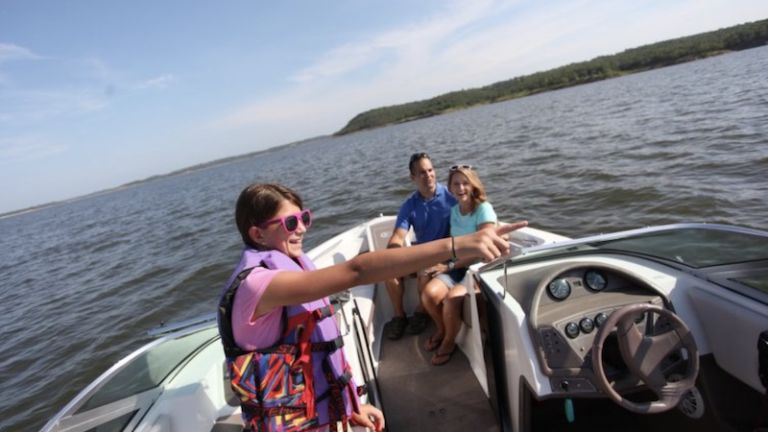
[[432, 297], [452, 317]]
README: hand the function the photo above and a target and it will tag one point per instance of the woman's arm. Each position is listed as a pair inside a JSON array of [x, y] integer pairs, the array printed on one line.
[[288, 287]]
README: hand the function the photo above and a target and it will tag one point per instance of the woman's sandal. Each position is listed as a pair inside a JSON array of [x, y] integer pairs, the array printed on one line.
[[440, 359], [432, 343]]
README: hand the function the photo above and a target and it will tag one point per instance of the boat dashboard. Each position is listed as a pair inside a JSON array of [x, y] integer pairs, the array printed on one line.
[[568, 309], [565, 305]]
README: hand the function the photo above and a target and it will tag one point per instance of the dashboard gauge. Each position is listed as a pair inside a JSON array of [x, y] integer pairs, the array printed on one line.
[[571, 330], [595, 280], [559, 289], [600, 319], [586, 325]]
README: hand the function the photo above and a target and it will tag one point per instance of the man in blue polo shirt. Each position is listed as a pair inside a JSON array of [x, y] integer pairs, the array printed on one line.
[[428, 211]]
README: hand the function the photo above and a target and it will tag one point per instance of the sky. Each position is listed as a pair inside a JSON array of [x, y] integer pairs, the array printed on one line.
[[95, 94]]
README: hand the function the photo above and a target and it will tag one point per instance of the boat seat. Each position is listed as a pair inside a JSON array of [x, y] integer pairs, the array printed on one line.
[[231, 423], [379, 234]]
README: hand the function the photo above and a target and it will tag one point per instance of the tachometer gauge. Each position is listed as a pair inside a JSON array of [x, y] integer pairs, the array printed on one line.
[[559, 289], [595, 280]]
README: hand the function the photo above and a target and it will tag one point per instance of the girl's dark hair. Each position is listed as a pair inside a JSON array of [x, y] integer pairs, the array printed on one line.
[[258, 203]]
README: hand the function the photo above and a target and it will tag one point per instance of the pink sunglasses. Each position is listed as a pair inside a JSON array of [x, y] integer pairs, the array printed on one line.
[[291, 222]]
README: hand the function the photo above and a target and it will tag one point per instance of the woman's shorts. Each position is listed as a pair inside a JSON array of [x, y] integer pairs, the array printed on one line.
[[453, 277]]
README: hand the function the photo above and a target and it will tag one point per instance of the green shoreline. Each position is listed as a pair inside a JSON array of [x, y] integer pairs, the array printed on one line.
[[633, 60]]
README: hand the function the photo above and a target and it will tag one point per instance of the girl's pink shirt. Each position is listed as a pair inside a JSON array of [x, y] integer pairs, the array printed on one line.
[[262, 332]]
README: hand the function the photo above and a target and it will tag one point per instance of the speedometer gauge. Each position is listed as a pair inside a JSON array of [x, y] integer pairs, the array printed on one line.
[[559, 289], [595, 280]]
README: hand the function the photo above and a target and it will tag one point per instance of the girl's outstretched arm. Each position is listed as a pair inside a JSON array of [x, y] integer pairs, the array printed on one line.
[[288, 287]]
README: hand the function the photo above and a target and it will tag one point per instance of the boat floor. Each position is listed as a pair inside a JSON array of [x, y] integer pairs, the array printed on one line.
[[418, 396]]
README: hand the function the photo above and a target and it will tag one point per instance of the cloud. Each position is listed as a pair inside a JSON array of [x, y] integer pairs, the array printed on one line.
[[27, 148], [9, 52], [393, 55], [467, 44], [394, 44], [69, 87], [159, 82], [36, 105]]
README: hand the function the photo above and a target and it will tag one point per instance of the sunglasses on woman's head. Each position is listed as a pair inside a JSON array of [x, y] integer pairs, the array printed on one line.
[[458, 167], [291, 222]]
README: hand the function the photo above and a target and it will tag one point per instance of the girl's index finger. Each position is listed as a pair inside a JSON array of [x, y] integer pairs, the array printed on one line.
[[504, 229]]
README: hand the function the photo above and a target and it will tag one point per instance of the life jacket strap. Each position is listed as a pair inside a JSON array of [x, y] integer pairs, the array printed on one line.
[[260, 411], [231, 350], [328, 346], [323, 312], [336, 408], [340, 382]]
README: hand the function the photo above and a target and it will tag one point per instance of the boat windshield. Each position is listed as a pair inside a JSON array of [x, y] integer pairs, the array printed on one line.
[[758, 280], [695, 246], [148, 369]]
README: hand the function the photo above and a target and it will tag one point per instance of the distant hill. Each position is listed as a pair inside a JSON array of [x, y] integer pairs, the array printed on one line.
[[633, 60]]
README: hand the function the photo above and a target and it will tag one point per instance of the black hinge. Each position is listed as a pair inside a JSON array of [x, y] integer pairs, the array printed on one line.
[[762, 355]]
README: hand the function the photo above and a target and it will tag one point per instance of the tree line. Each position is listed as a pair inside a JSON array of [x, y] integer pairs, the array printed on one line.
[[629, 61]]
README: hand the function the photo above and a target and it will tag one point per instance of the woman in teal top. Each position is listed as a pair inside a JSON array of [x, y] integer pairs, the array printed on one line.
[[443, 296]]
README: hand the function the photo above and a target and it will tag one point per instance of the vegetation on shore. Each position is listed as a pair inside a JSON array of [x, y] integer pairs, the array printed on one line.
[[646, 57]]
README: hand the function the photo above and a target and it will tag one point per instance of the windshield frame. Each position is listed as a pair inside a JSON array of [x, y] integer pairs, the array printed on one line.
[[733, 275], [591, 244]]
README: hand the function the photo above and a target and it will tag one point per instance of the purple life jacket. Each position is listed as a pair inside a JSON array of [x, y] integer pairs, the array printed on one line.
[[279, 387]]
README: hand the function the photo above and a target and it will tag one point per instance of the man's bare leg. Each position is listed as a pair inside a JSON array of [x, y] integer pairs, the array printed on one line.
[[396, 327], [420, 318]]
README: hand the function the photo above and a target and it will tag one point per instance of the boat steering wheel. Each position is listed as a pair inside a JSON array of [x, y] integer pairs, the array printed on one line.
[[644, 356]]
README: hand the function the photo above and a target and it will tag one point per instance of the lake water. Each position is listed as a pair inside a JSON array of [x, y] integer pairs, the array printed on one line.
[[81, 283]]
